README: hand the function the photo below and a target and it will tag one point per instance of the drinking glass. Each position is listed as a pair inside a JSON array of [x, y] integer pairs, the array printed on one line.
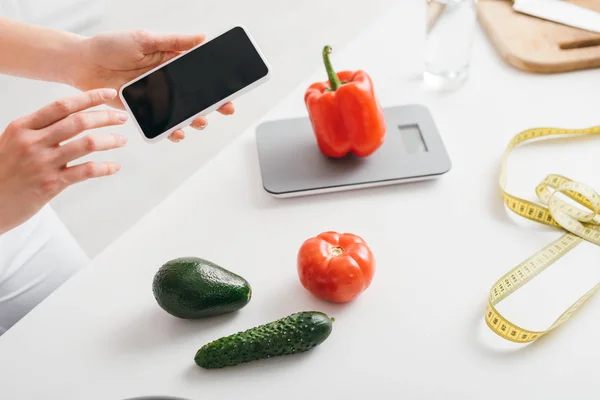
[[450, 26]]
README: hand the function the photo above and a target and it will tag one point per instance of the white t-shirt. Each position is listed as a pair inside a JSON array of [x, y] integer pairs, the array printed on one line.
[[35, 259]]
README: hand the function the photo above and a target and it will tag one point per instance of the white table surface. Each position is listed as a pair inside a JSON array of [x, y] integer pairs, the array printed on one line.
[[417, 332]]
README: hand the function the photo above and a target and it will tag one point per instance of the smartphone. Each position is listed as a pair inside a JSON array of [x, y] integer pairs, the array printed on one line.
[[194, 83]]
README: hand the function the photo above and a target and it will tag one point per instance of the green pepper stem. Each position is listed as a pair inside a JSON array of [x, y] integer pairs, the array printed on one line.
[[334, 81]]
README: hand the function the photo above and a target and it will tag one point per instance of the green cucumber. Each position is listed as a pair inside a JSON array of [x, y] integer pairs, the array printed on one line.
[[295, 333]]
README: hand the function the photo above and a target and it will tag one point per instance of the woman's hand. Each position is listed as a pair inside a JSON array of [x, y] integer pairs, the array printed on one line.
[[113, 59], [33, 157]]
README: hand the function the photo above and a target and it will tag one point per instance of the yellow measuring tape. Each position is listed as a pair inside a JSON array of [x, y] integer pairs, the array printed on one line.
[[579, 224]]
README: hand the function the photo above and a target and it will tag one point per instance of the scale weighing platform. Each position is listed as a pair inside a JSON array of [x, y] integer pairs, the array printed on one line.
[[291, 164]]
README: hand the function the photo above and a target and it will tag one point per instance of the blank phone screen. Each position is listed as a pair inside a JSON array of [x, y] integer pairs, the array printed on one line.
[[194, 82]]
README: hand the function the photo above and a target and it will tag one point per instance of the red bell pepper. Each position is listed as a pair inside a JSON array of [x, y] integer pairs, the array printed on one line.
[[344, 112]]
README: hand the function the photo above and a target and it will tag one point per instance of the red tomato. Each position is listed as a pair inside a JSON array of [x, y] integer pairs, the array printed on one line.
[[335, 266]]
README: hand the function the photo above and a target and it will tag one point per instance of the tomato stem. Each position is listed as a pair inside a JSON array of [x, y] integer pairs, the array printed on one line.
[[335, 250]]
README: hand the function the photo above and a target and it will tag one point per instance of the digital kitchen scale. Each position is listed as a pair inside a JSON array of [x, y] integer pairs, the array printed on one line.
[[291, 164]]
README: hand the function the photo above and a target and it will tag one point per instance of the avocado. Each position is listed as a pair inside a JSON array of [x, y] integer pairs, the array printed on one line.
[[194, 288], [295, 333]]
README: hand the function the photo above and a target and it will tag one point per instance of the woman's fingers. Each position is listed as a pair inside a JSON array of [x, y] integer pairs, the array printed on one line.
[[151, 42], [64, 107], [226, 109], [89, 170], [87, 145], [76, 123], [177, 136], [199, 123]]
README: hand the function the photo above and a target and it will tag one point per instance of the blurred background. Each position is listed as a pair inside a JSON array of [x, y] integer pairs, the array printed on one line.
[[290, 33]]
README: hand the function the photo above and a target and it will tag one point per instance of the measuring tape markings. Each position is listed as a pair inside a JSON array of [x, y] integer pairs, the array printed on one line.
[[579, 226]]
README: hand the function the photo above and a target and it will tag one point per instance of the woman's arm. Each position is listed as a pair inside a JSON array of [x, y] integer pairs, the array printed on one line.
[[39, 53]]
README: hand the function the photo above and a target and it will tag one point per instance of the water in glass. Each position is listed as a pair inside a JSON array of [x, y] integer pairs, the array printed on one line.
[[449, 34]]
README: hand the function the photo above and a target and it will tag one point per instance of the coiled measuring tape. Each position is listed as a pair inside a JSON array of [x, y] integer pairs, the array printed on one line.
[[579, 225]]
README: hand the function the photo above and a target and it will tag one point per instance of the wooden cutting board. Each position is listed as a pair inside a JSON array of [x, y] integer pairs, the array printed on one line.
[[536, 45]]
